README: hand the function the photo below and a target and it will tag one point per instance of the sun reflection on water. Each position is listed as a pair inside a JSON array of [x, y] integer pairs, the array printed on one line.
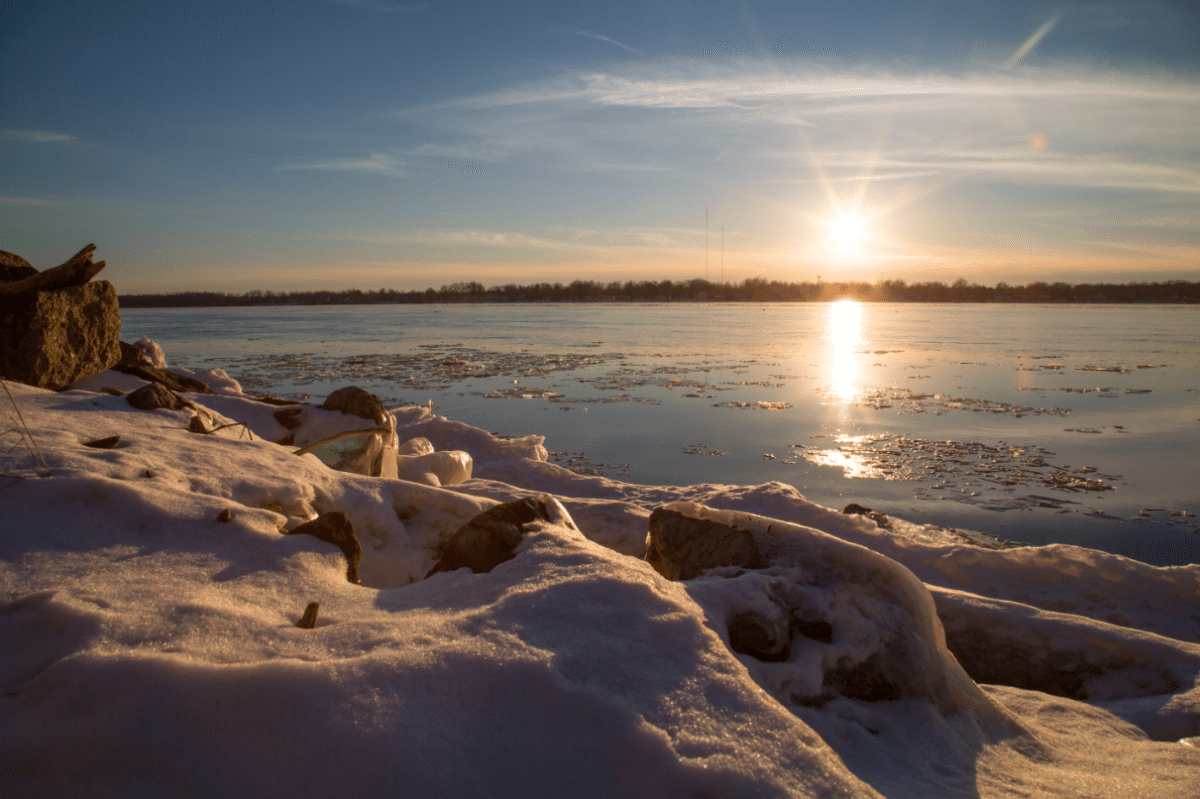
[[843, 333]]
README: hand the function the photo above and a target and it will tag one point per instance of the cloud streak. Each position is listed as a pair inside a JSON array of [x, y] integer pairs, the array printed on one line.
[[386, 7], [38, 136], [375, 164], [600, 38], [1032, 41]]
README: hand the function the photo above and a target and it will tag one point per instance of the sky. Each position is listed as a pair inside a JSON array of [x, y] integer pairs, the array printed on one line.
[[335, 144]]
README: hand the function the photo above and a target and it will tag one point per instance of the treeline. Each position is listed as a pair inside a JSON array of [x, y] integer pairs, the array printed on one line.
[[697, 290]]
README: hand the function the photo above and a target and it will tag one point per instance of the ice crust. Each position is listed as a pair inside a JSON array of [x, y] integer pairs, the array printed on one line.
[[151, 649]]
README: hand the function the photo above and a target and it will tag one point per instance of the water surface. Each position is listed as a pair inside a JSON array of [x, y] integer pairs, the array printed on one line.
[[1037, 423]]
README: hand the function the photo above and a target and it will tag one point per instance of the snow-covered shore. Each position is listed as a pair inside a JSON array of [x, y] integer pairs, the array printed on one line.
[[152, 649]]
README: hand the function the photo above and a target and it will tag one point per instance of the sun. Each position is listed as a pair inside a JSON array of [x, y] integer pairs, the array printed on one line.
[[847, 233]]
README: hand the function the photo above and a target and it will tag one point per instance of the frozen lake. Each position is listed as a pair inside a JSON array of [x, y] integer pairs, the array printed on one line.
[[1035, 423]]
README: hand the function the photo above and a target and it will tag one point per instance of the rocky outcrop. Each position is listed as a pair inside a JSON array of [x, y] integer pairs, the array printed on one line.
[[50, 339], [489, 539]]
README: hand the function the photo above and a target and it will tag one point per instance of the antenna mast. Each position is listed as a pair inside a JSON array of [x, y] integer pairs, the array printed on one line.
[[706, 243]]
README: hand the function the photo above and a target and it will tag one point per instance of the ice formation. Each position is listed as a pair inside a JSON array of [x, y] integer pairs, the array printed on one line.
[[150, 606]]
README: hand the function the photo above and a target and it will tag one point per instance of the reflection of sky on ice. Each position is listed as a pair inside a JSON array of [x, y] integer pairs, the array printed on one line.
[[650, 385]]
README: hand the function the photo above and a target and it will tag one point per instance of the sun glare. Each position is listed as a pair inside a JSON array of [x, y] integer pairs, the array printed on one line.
[[847, 232], [844, 334]]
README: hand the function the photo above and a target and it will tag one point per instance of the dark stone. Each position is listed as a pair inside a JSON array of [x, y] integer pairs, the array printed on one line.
[[225, 515], [171, 380], [490, 538], [356, 402], [868, 681], [309, 620], [104, 443], [131, 355], [289, 418], [880, 519], [155, 396], [113, 392], [50, 339], [336, 528], [13, 268], [756, 636], [682, 547], [196, 425], [821, 631]]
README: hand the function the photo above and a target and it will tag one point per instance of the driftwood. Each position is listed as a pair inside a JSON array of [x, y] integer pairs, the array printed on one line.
[[78, 270]]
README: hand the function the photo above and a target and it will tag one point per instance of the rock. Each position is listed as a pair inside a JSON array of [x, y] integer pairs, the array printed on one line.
[[13, 268], [681, 547], [309, 620], [131, 355], [847, 620], [880, 519], [356, 402], [225, 515], [289, 418], [196, 425], [50, 339], [336, 528], [104, 443], [155, 396], [760, 637], [490, 538]]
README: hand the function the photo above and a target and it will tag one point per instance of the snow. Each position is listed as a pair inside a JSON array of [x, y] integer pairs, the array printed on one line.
[[152, 649]]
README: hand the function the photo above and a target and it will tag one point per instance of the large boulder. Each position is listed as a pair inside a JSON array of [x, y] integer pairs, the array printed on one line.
[[846, 620], [50, 339]]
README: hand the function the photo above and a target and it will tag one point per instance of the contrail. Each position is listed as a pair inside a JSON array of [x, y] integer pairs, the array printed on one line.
[[1032, 41], [600, 38]]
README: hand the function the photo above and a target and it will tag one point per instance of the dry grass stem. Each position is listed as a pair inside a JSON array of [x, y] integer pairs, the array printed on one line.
[[26, 435]]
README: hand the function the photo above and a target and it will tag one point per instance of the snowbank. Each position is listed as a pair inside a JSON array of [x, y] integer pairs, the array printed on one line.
[[151, 648]]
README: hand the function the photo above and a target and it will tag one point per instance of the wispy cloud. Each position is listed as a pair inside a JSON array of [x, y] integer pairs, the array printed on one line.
[[600, 38], [25, 201], [376, 164], [970, 125], [38, 136], [374, 5], [1032, 41]]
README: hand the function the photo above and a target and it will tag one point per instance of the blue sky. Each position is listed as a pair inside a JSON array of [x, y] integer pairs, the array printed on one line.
[[362, 143]]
